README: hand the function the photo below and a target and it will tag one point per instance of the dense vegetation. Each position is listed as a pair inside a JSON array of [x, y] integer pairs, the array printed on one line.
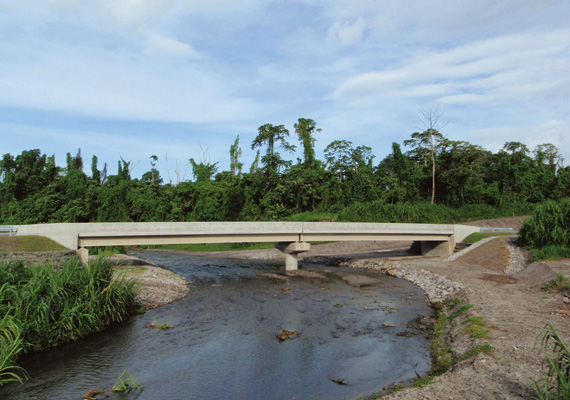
[[44, 306], [547, 233], [436, 179]]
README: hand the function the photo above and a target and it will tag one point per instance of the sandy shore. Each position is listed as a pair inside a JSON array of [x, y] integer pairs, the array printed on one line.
[[158, 286]]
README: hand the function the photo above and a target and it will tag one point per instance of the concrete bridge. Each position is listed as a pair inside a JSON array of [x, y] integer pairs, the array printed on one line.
[[289, 237]]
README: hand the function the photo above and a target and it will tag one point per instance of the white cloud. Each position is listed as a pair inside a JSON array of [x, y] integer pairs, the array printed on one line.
[[346, 32], [500, 68], [158, 43]]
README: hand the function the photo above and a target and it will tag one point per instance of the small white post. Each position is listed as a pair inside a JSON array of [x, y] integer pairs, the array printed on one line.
[[83, 254]]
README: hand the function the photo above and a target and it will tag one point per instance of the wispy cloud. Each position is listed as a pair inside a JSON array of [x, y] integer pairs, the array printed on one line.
[[498, 69]]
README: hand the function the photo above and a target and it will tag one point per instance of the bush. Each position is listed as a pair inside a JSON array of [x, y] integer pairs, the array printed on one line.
[[549, 226]]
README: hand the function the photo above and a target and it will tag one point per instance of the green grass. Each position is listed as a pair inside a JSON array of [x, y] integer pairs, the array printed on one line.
[[478, 236], [199, 247], [316, 216], [483, 348], [28, 243], [551, 253], [126, 382], [556, 384], [43, 306], [560, 283], [462, 310], [440, 352], [476, 327], [213, 247]]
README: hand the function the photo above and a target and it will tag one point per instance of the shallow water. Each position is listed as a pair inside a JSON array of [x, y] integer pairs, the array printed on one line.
[[223, 340]]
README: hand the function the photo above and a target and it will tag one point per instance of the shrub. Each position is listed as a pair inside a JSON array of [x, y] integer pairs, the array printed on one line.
[[549, 226]]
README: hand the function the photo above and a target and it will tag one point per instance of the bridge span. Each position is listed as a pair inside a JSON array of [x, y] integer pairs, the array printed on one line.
[[289, 237]]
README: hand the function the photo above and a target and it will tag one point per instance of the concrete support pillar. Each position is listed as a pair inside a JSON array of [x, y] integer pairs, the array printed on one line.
[[83, 254], [291, 262], [437, 249], [291, 250]]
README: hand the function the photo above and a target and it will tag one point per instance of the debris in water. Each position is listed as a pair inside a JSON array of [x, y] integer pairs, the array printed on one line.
[[92, 394], [286, 335], [388, 325], [339, 381], [162, 327]]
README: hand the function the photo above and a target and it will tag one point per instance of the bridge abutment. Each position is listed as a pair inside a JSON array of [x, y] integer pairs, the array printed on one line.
[[291, 250], [437, 249]]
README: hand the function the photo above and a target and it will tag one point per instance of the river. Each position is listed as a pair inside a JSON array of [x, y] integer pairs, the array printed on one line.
[[222, 342]]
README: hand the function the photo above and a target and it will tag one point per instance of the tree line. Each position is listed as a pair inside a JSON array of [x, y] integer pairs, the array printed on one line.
[[431, 169]]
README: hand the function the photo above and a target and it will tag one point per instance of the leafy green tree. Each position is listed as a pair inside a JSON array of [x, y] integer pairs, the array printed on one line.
[[306, 130], [204, 171], [424, 146], [95, 173], [255, 164], [461, 175], [339, 157], [270, 135], [235, 154], [396, 178], [152, 176]]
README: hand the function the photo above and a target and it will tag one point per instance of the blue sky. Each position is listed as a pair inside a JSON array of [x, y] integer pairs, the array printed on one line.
[[183, 78]]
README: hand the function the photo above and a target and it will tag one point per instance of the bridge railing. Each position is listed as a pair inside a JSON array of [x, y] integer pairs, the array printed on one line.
[[8, 230]]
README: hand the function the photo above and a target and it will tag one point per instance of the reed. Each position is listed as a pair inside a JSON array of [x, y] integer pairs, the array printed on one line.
[[556, 385], [52, 305], [10, 347]]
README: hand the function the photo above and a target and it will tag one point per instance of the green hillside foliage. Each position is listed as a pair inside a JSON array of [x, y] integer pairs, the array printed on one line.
[[348, 184]]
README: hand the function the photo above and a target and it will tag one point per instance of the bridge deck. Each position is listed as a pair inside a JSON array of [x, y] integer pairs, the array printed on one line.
[[83, 235]]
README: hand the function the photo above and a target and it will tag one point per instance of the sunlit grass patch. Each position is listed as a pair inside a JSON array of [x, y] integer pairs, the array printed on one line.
[[478, 236], [28, 243]]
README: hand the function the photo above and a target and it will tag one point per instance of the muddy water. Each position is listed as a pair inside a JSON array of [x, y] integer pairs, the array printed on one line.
[[223, 340]]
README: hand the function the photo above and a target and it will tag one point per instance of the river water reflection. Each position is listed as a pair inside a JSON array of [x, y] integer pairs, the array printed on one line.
[[223, 342]]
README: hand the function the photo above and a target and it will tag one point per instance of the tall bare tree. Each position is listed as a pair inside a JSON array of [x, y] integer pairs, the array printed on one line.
[[427, 141]]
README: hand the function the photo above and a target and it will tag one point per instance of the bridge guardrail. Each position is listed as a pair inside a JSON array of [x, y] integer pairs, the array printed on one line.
[[9, 230], [499, 230]]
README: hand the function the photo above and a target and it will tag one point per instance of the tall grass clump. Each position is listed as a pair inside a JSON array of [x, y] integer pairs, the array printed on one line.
[[10, 346], [556, 385], [549, 226], [45, 306]]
